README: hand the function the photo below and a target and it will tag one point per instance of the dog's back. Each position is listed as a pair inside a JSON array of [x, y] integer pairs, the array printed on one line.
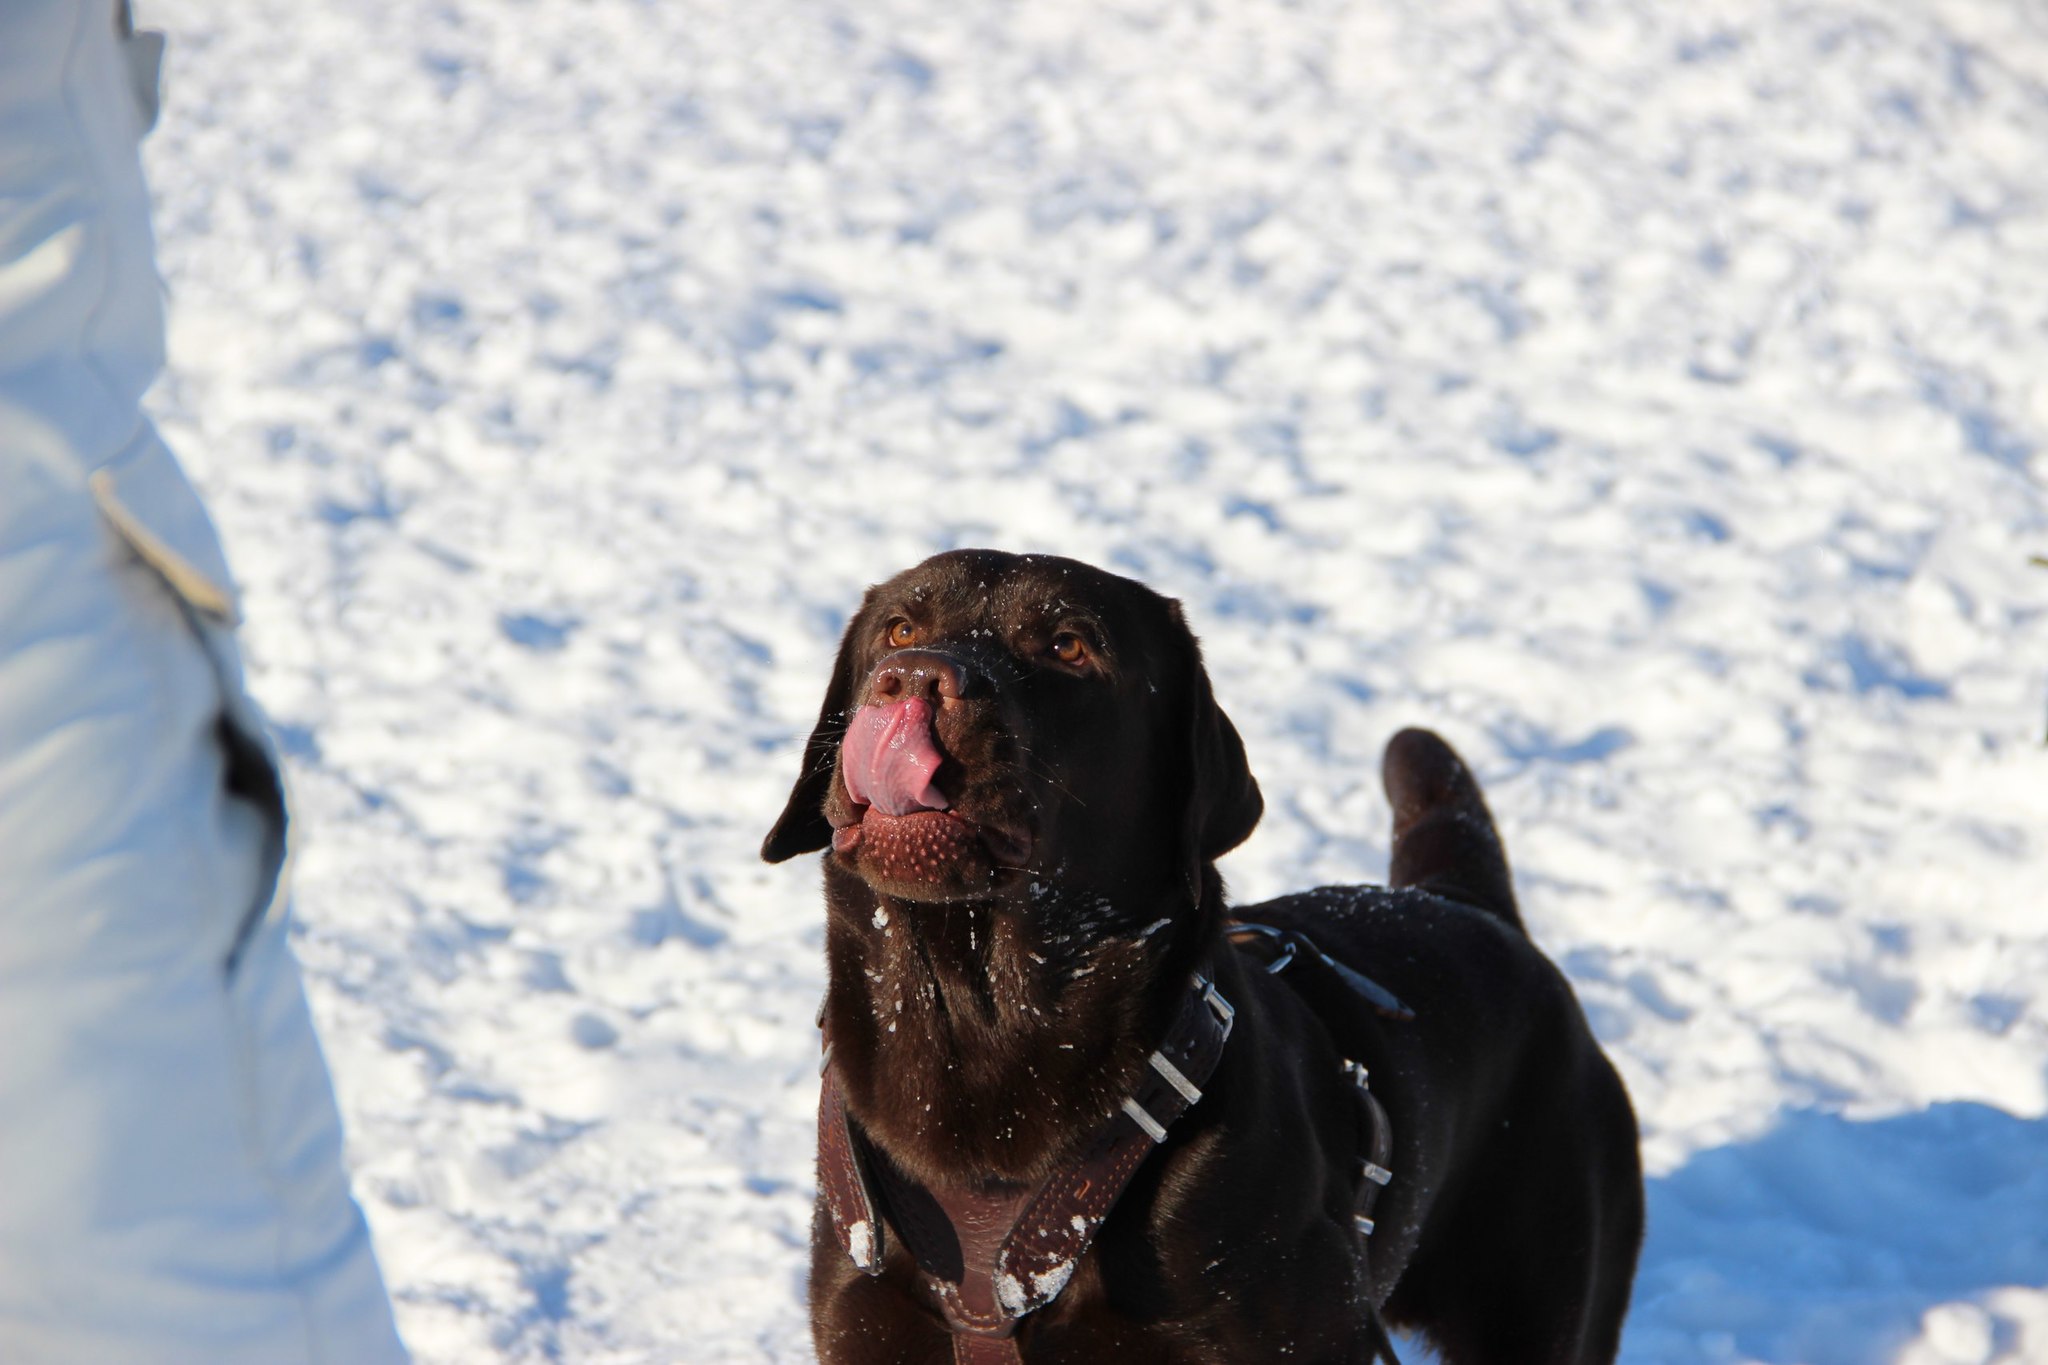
[[1516, 1164]]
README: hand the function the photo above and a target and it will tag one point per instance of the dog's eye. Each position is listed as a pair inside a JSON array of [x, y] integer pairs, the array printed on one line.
[[1069, 648], [901, 634]]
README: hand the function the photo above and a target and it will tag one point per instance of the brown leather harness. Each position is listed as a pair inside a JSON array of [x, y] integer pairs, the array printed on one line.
[[990, 1256]]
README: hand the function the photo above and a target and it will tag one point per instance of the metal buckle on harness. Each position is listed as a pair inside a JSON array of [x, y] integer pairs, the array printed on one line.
[[1225, 1013], [1137, 1115], [1288, 944], [1226, 1018], [1174, 1078], [1282, 941]]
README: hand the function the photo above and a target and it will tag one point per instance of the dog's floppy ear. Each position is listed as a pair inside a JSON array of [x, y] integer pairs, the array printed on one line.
[[802, 827], [1223, 801]]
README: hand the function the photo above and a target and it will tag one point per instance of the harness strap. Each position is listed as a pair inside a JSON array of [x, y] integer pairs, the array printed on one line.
[[1338, 993], [993, 1254], [1291, 946], [975, 1350], [1379, 1147], [842, 1178]]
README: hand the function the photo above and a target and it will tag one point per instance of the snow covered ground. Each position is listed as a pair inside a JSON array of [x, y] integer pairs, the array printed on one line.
[[1653, 397]]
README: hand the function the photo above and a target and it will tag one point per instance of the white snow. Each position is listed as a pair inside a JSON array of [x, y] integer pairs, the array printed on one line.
[[1649, 396], [1010, 1292], [1047, 1284], [1044, 1287], [860, 1240]]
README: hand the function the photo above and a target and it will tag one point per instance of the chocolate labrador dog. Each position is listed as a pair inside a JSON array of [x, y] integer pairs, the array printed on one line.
[[1077, 1109]]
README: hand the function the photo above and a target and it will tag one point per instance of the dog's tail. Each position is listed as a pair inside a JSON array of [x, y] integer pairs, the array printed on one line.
[[1444, 839]]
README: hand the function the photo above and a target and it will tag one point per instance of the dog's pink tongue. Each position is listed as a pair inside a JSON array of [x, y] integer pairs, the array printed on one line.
[[889, 760]]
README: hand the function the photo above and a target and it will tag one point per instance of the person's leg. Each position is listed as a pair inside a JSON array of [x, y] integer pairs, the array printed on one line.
[[171, 1186]]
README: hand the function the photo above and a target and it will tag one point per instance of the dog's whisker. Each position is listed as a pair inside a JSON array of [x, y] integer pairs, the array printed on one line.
[[1044, 774]]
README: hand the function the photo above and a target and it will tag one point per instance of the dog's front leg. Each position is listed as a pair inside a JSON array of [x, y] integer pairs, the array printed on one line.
[[859, 1319]]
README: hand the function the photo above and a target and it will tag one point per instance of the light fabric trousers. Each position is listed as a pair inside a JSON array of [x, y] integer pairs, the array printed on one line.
[[171, 1180]]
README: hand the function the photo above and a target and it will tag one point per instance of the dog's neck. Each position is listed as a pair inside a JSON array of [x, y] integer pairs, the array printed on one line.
[[982, 1042]]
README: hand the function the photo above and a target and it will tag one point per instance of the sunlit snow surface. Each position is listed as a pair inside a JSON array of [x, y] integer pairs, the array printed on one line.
[[1652, 397]]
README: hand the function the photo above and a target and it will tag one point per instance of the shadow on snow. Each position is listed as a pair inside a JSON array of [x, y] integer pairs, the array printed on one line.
[[1825, 1240]]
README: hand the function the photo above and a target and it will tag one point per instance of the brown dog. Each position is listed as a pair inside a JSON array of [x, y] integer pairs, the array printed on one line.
[[1024, 782]]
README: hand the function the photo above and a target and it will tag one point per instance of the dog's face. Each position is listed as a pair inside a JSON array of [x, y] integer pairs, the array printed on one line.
[[1000, 724]]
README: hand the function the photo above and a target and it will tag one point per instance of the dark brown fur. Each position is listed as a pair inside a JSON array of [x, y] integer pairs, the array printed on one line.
[[988, 1015]]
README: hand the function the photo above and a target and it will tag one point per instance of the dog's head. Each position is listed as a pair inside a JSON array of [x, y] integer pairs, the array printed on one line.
[[997, 722]]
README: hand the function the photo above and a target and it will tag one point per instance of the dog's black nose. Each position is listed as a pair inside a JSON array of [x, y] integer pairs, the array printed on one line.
[[926, 673]]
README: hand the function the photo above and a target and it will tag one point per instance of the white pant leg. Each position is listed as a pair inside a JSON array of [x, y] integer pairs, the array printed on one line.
[[171, 1187]]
